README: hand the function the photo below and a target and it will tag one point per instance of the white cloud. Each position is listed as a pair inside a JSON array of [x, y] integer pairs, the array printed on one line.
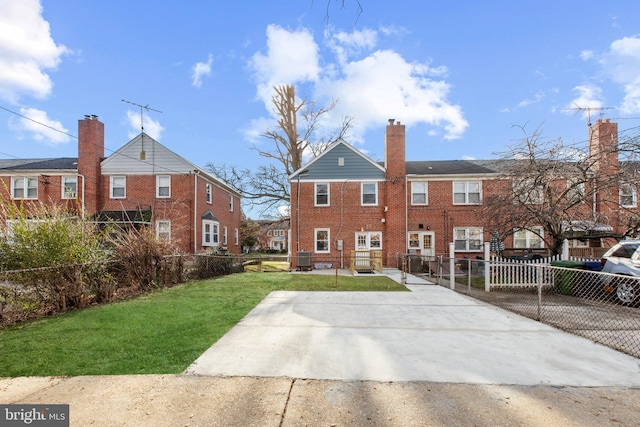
[[291, 57], [41, 127], [151, 127], [371, 85], [200, 70], [622, 64], [586, 55], [384, 85], [26, 51]]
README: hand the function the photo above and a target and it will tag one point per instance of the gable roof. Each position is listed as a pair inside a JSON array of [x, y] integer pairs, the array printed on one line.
[[63, 163], [158, 159], [340, 161]]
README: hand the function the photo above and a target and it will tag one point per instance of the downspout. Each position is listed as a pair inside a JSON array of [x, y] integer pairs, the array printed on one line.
[[195, 212], [406, 211]]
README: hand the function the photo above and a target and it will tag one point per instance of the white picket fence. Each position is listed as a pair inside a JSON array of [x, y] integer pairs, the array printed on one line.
[[504, 272]]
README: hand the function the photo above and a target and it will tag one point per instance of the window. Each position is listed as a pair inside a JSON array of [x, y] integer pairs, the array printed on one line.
[[163, 186], [466, 193], [163, 230], [208, 187], [25, 188], [230, 202], [467, 238], [236, 236], [322, 240], [418, 193], [69, 187], [210, 231], [118, 187], [369, 240], [369, 193], [627, 196], [322, 194], [575, 190], [224, 235], [527, 192], [528, 238]]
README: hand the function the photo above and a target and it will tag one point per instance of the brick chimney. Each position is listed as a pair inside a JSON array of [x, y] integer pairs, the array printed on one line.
[[395, 213], [603, 146], [90, 153], [394, 150]]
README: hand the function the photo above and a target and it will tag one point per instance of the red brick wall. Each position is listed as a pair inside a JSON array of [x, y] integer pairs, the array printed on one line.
[[90, 153]]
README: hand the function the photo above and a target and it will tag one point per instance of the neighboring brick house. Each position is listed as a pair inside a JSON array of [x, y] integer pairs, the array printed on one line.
[[143, 183], [349, 202], [274, 235]]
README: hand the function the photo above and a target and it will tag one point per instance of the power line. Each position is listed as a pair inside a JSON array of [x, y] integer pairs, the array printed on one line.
[[37, 122]]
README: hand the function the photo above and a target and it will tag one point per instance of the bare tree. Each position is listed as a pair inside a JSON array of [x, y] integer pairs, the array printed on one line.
[[551, 186], [296, 136]]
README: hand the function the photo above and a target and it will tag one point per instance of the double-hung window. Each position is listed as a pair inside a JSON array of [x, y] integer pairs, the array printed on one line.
[[236, 236], [163, 186], [163, 230], [321, 238], [24, 188], [208, 189], [322, 194], [527, 192], [210, 233], [224, 235], [528, 238], [419, 193], [627, 196], [69, 187], [467, 238], [230, 202], [466, 193], [369, 192], [118, 186]]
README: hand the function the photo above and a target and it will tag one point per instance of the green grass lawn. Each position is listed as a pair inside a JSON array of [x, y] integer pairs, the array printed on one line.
[[158, 333]]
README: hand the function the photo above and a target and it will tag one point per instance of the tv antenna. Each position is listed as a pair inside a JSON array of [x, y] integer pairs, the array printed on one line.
[[588, 110], [147, 108]]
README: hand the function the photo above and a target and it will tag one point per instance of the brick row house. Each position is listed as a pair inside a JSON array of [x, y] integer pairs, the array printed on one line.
[[141, 184], [342, 201]]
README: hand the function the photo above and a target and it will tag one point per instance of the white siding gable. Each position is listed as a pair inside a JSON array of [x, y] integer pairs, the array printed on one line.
[[158, 159]]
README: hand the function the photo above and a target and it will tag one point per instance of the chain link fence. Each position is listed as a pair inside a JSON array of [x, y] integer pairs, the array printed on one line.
[[599, 306]]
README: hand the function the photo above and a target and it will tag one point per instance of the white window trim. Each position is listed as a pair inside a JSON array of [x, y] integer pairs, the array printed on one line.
[[158, 186], [224, 235], [158, 227], [315, 241], [208, 193], [426, 193], [368, 235], [467, 231], [111, 187], [634, 199], [69, 195], [230, 202], [529, 236], [214, 233], [466, 192], [25, 187], [362, 194], [236, 236], [315, 194]]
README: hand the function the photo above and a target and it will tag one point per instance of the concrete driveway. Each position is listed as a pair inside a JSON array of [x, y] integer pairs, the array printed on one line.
[[430, 334]]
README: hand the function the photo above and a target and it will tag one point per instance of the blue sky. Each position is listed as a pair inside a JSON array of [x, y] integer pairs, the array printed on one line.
[[460, 75]]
